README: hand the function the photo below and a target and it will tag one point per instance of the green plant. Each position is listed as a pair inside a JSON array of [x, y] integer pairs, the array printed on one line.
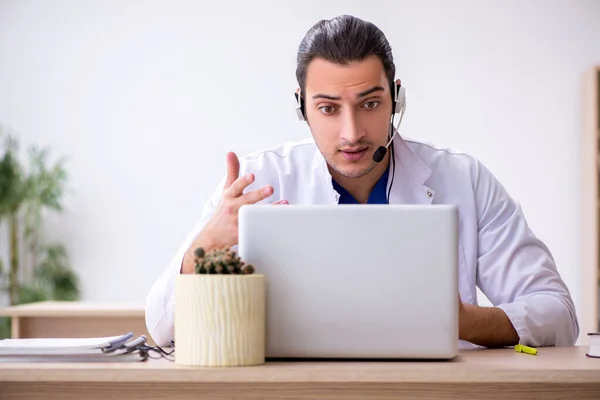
[[36, 271], [222, 261]]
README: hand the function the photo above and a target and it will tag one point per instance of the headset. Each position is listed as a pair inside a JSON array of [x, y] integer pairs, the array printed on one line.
[[398, 93]]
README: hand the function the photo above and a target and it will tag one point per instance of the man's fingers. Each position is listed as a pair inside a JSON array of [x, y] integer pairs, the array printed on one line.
[[280, 202], [257, 195], [238, 186], [233, 169]]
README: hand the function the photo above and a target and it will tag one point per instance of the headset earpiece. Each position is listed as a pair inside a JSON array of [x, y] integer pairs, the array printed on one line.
[[400, 99], [300, 107]]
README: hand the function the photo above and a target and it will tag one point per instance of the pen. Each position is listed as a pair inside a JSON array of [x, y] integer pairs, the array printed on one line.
[[525, 349]]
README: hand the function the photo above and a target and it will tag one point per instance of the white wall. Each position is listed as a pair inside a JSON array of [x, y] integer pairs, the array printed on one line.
[[146, 97]]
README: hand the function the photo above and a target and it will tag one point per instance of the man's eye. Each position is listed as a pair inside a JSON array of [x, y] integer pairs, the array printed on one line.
[[327, 109], [371, 104]]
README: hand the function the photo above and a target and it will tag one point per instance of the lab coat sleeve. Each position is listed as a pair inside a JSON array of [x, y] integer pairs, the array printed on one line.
[[516, 270], [160, 302]]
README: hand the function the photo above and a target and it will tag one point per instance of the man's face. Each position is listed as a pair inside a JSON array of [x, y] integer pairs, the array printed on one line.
[[348, 109]]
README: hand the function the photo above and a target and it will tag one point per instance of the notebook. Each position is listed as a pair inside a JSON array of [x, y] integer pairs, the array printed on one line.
[[101, 349], [594, 350]]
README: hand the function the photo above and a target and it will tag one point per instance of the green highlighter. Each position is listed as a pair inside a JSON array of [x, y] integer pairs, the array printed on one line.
[[519, 348]]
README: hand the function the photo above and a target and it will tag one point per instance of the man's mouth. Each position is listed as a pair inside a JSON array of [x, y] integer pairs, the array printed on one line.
[[358, 150], [354, 154]]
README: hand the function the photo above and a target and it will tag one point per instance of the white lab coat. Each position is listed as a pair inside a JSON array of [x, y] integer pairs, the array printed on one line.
[[498, 252]]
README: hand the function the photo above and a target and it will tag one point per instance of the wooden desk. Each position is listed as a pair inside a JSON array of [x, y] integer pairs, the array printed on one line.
[[75, 319], [487, 374]]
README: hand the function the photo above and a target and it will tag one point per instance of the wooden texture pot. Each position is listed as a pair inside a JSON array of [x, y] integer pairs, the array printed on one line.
[[219, 320]]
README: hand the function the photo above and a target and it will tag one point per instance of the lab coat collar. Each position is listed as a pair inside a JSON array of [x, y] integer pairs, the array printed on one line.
[[411, 174]]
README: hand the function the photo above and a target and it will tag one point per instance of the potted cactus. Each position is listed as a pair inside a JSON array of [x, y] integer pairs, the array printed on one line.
[[220, 312]]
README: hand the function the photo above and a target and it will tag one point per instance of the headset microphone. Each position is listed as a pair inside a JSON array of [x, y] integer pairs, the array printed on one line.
[[380, 152]]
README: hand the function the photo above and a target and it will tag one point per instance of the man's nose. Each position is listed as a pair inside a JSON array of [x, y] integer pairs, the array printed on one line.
[[351, 131]]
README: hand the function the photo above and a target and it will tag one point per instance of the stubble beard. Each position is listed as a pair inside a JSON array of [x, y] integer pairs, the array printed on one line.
[[351, 173]]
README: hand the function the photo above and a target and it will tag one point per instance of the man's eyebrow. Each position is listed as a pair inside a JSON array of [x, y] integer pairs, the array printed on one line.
[[325, 96], [361, 94], [369, 91]]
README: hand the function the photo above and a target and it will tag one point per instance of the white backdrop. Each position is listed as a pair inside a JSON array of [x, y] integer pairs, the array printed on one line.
[[146, 97]]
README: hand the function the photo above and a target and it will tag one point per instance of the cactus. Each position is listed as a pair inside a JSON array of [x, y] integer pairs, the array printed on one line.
[[222, 261]]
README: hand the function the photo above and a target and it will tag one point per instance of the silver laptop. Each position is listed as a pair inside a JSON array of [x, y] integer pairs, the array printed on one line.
[[356, 281]]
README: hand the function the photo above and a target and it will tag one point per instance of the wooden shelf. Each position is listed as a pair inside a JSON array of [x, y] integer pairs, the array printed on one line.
[[589, 308], [76, 319]]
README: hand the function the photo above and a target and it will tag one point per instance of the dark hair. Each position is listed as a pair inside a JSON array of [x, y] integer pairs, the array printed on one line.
[[342, 40]]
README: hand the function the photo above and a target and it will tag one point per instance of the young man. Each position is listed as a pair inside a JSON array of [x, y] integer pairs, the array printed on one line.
[[347, 94]]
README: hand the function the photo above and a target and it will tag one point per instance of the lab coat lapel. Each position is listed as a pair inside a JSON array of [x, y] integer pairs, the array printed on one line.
[[411, 174]]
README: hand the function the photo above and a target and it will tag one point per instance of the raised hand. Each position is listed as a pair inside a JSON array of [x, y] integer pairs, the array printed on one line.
[[222, 228]]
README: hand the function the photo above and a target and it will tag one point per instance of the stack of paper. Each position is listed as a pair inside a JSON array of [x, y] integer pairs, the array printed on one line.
[[102, 349]]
